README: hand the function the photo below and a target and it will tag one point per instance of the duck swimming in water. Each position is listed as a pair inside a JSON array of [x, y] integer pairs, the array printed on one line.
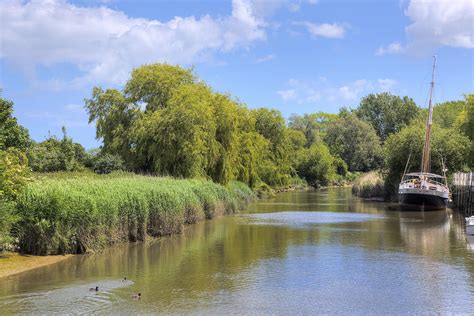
[[137, 296], [96, 289]]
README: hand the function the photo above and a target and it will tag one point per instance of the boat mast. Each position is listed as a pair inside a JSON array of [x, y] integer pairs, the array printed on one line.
[[425, 164]]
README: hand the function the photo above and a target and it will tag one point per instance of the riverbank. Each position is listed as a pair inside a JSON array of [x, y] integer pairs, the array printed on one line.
[[70, 214], [12, 263]]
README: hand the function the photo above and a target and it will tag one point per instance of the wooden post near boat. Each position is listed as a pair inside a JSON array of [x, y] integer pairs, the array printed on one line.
[[463, 192]]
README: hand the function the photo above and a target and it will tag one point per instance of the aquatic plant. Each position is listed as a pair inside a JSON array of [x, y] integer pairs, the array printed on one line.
[[61, 214]]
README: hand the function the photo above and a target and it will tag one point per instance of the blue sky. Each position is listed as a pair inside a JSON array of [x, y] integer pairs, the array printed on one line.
[[296, 56]]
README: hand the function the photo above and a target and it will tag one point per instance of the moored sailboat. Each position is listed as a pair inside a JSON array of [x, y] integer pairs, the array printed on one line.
[[424, 190]]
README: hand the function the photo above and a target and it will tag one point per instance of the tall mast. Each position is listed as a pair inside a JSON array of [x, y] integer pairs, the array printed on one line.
[[425, 164]]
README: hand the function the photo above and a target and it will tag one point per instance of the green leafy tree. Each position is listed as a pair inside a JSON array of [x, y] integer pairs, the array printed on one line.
[[153, 85], [14, 175], [53, 155], [387, 113], [276, 168], [316, 165], [11, 133], [185, 134], [356, 142], [465, 123], [445, 114]]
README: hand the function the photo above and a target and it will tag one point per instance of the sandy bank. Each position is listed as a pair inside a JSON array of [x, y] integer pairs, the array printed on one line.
[[12, 263]]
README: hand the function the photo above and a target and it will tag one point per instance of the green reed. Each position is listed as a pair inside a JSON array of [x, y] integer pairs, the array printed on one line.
[[76, 214]]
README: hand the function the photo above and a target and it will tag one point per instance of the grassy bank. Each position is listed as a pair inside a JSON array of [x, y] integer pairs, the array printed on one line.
[[67, 213], [369, 186]]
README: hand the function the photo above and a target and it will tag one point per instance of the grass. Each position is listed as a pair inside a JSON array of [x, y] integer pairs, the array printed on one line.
[[369, 186], [71, 213]]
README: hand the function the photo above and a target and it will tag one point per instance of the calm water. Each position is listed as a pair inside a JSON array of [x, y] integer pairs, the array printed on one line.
[[298, 253]]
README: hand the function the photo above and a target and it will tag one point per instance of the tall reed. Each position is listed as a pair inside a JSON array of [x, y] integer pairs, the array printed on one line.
[[61, 214]]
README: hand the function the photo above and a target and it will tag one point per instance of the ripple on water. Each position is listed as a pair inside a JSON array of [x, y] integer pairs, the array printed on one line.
[[308, 218], [76, 299]]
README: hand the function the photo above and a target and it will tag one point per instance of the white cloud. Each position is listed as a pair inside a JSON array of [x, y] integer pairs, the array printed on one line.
[[104, 44], [287, 95], [304, 92], [265, 58], [393, 48], [334, 30], [434, 24]]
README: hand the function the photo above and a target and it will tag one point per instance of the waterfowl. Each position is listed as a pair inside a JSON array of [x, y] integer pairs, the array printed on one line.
[[94, 289], [137, 296], [124, 279]]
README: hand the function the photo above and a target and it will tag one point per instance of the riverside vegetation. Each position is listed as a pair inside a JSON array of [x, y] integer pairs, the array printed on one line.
[[85, 214], [211, 150]]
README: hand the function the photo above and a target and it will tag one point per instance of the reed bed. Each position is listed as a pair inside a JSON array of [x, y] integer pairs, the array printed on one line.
[[61, 214], [369, 186]]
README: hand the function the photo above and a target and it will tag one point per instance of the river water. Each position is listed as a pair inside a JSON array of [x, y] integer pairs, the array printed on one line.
[[298, 253]]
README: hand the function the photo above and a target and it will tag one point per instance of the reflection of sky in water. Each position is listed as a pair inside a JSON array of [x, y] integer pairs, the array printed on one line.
[[308, 218]]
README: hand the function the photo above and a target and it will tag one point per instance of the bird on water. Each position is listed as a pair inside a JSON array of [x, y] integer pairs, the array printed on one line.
[[96, 289]]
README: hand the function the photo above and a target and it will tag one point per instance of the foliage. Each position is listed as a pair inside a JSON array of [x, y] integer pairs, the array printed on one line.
[[14, 175], [11, 133], [355, 142], [313, 126], [445, 114], [465, 123], [276, 168], [387, 113], [53, 154], [316, 165], [447, 145], [76, 215], [167, 122], [369, 186], [105, 163]]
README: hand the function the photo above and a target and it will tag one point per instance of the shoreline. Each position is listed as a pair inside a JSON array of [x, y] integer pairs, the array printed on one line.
[[12, 263]]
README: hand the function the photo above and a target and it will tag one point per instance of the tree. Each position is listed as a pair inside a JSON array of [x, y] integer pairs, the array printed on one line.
[[445, 114], [316, 165], [106, 163], [14, 175], [276, 168], [355, 142], [53, 155], [185, 134], [387, 113], [11, 133], [152, 85], [465, 123], [114, 116]]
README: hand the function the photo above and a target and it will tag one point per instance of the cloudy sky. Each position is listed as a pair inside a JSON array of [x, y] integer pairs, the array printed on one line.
[[297, 56]]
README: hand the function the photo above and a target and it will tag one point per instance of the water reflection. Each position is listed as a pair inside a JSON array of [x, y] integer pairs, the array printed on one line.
[[300, 252]]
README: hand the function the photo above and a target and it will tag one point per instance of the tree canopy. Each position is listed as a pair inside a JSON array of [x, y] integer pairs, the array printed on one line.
[[387, 113], [356, 142]]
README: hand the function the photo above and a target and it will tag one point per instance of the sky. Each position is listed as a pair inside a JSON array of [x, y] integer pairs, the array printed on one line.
[[299, 56]]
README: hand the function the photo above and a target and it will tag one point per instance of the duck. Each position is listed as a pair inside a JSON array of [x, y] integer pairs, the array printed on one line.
[[137, 296], [96, 289], [124, 279]]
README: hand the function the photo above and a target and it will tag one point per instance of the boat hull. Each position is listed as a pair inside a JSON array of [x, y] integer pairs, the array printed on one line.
[[422, 202]]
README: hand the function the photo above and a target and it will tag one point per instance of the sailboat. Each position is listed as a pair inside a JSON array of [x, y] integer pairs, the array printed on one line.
[[424, 190]]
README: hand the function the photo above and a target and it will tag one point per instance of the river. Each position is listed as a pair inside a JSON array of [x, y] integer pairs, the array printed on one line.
[[310, 252]]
